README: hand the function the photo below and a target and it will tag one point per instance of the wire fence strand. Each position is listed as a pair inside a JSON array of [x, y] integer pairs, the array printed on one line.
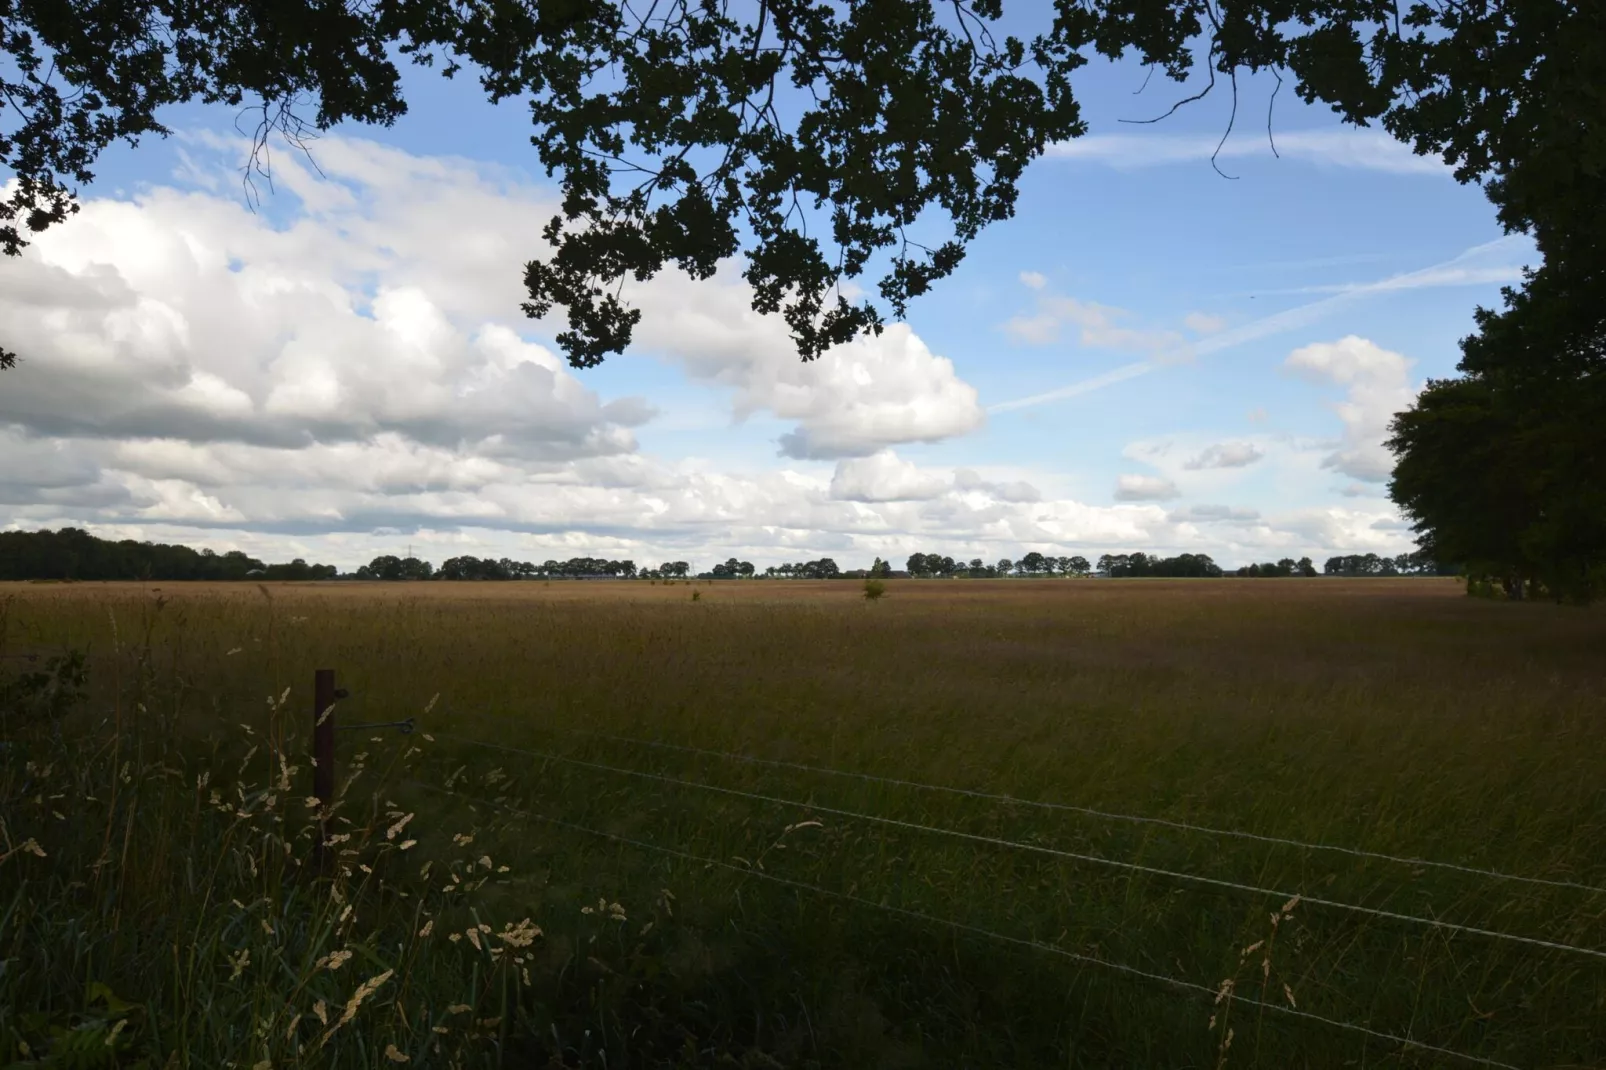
[[1073, 856], [1191, 987], [1088, 811]]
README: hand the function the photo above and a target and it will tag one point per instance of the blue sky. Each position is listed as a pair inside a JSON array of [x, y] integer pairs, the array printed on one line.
[[1149, 356]]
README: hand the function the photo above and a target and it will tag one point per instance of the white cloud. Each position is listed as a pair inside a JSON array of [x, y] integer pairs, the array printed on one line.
[[1139, 488], [884, 477], [1377, 387], [873, 393], [1346, 147], [1226, 455], [1035, 280]]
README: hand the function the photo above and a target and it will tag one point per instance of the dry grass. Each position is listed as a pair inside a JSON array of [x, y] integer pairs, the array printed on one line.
[[1390, 715]]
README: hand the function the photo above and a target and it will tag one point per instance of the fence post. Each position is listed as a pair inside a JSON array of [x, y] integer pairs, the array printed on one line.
[[323, 757]]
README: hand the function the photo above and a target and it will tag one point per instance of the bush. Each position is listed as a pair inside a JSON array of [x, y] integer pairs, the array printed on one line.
[[874, 589]]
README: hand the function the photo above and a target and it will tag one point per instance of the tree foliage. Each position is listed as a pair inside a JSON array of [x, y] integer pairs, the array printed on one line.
[[75, 554], [1117, 566], [811, 137]]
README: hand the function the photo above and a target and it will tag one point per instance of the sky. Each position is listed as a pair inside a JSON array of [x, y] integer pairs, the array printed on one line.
[[1152, 355]]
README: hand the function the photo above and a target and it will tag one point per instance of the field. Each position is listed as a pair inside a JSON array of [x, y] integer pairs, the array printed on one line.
[[703, 910]]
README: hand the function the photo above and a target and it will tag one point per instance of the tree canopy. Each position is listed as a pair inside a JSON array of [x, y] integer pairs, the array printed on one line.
[[691, 131], [75, 554]]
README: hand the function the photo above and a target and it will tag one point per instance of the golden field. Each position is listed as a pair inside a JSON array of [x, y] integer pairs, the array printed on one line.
[[815, 923]]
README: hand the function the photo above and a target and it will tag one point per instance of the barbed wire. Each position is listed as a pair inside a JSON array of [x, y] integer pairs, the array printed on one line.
[[1183, 826], [1192, 987], [1074, 856]]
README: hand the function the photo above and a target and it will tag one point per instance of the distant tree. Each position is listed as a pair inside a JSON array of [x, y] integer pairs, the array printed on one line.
[[1077, 565], [1306, 567], [1354, 565], [880, 570], [383, 567], [1005, 566], [916, 564], [1142, 564], [75, 554], [1033, 564]]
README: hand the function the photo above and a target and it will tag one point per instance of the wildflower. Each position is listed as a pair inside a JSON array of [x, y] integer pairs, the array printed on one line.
[[429, 927]]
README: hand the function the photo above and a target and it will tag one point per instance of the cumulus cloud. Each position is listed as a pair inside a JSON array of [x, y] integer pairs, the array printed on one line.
[[884, 477], [182, 316], [871, 394], [1377, 385], [1226, 455], [1139, 488], [1034, 279]]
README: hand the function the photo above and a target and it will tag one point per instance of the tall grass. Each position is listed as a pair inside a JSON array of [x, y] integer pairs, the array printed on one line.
[[1391, 716]]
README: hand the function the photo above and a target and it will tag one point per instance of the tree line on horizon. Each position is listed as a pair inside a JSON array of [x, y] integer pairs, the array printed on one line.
[[75, 554]]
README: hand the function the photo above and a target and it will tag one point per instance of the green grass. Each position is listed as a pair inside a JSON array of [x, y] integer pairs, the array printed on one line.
[[1391, 716]]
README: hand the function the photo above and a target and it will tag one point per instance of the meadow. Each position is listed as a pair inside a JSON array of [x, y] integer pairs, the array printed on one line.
[[698, 824]]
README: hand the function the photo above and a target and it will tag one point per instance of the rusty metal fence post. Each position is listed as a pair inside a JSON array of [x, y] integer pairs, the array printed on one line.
[[323, 757]]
